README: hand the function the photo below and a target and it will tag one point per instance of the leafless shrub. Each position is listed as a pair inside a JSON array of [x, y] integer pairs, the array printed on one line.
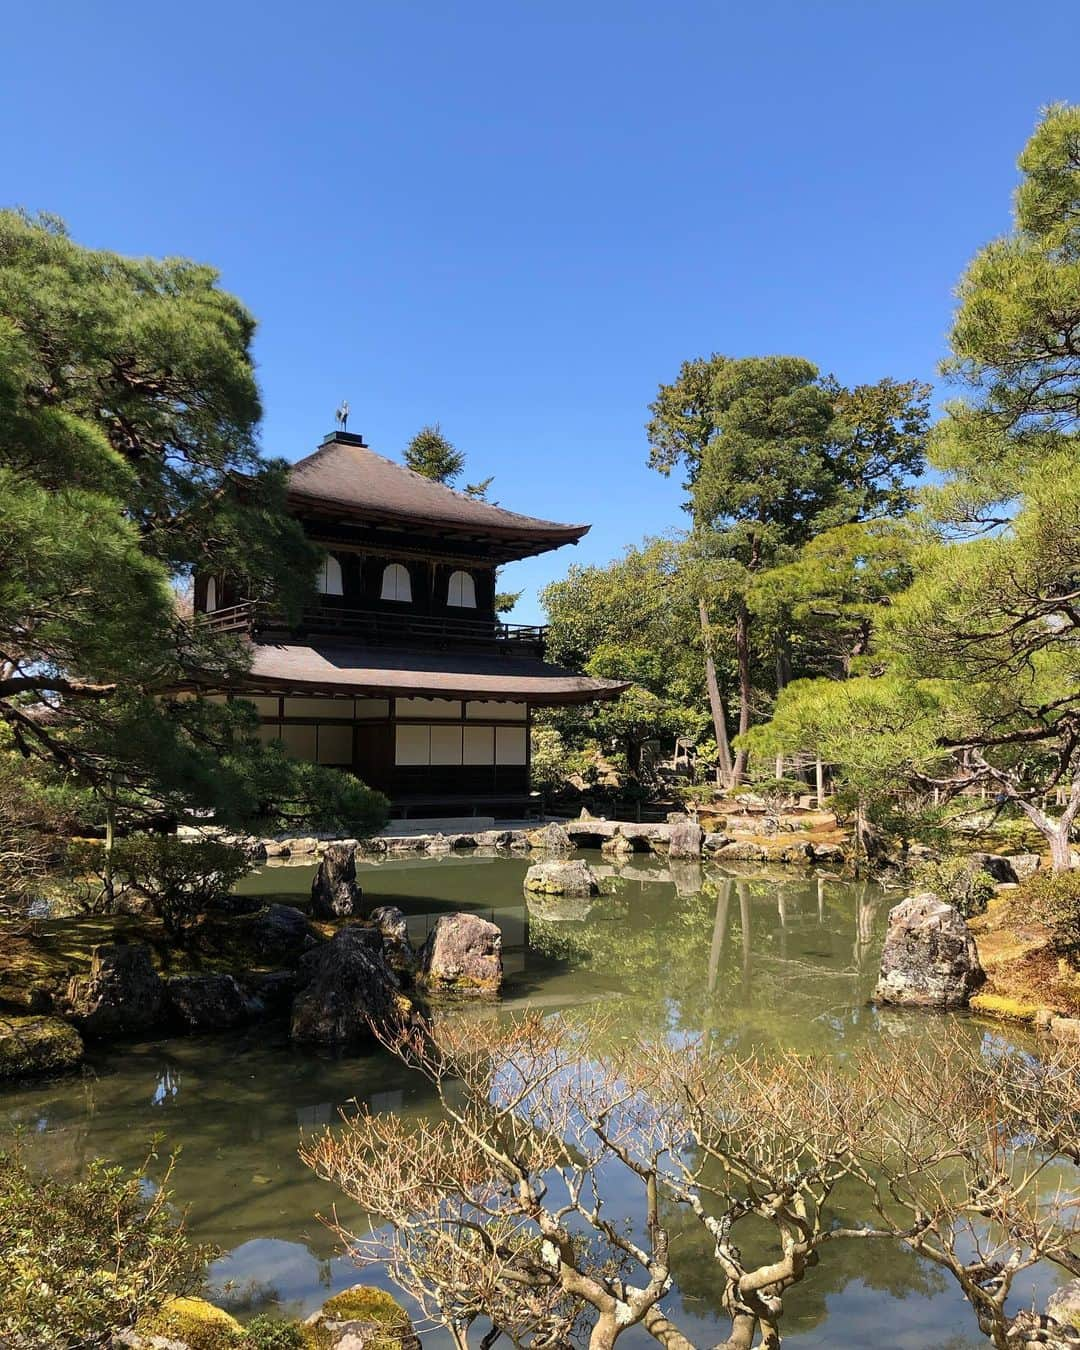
[[495, 1219]]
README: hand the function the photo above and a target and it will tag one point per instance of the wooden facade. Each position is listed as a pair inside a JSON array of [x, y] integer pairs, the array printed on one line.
[[401, 670]]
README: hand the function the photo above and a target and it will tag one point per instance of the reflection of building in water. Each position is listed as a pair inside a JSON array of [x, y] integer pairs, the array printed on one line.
[[168, 1086]]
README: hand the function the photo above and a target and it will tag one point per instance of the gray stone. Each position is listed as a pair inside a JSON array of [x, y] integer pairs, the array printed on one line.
[[930, 958], [574, 877], [714, 842], [995, 865], [35, 1045], [268, 993], [827, 853], [303, 847], [206, 1002], [741, 850], [279, 934], [334, 892], [122, 995], [393, 927], [350, 987], [1025, 865], [617, 847], [462, 955], [684, 839], [553, 838]]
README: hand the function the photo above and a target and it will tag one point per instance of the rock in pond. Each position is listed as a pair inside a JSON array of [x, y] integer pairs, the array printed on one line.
[[394, 927], [122, 995], [32, 1045], [553, 838], [191, 1323], [334, 892], [350, 986], [930, 958], [279, 934], [212, 1002], [462, 955], [684, 839], [363, 1318], [562, 878]]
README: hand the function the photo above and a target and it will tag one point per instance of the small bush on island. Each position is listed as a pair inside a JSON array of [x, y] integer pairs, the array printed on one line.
[[960, 881], [86, 1258], [1053, 899], [271, 1333], [178, 879]]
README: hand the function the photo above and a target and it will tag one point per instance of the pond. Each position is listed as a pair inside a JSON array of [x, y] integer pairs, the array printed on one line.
[[748, 960]]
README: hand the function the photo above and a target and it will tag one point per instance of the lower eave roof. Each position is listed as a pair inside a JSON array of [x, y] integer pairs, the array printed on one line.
[[333, 668]]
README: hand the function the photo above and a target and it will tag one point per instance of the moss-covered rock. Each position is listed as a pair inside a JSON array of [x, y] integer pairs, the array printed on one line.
[[33, 1045], [371, 1314], [198, 1324]]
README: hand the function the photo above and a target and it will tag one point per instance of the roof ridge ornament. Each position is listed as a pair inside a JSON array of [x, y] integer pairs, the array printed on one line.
[[341, 417]]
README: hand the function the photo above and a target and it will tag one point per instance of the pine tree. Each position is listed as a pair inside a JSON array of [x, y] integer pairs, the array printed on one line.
[[430, 454]]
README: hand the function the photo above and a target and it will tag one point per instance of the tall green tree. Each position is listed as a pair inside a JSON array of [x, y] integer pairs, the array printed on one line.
[[128, 456], [774, 454], [986, 637], [430, 453]]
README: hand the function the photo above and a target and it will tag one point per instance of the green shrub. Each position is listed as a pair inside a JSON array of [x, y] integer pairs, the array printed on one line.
[[960, 881], [776, 792], [178, 879], [1053, 899], [271, 1333], [86, 1258]]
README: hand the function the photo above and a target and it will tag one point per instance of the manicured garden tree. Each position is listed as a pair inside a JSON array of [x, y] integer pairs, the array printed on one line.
[[774, 454], [984, 642], [499, 1218], [128, 457]]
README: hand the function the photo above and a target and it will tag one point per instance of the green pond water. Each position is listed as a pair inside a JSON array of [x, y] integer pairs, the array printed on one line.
[[750, 960]]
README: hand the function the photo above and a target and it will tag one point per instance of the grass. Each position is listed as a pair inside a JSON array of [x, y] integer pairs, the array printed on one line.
[[1023, 973]]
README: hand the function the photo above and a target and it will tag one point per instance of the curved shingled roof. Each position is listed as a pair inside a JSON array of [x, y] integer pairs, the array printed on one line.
[[381, 671], [344, 474]]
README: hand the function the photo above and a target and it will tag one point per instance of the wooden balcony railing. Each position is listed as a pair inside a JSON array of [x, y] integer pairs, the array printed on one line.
[[429, 630]]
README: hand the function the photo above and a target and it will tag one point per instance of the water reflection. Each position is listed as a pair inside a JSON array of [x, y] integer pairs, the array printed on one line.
[[749, 960]]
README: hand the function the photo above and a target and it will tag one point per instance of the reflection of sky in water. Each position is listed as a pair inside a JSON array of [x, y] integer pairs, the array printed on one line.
[[747, 961]]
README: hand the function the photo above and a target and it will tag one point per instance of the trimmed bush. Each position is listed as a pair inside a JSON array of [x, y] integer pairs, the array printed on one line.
[[200, 1325], [1053, 899], [960, 881]]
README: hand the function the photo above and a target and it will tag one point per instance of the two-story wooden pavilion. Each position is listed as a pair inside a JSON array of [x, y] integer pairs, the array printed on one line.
[[403, 671]]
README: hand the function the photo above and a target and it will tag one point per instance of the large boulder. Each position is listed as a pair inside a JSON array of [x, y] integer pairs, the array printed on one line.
[[930, 958], [562, 878], [462, 955], [1024, 865], [684, 839], [33, 1045], [349, 986], [363, 1318], [212, 1002], [334, 892], [552, 838], [122, 994]]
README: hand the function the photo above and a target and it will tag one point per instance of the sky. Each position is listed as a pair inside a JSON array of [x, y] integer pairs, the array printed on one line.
[[517, 219]]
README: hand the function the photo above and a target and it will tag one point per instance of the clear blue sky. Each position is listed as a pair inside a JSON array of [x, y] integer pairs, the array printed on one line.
[[518, 218]]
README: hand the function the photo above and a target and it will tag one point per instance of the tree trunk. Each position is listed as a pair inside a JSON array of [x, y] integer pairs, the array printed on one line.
[[742, 653], [716, 703]]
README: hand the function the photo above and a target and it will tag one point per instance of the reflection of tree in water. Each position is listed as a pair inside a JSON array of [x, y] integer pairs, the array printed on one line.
[[746, 959], [887, 1269], [236, 1105]]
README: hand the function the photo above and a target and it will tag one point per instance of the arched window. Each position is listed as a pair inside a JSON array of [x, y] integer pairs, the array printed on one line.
[[328, 577], [395, 583], [211, 596], [462, 591]]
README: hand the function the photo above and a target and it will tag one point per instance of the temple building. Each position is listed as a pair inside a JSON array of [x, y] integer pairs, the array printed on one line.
[[402, 671]]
